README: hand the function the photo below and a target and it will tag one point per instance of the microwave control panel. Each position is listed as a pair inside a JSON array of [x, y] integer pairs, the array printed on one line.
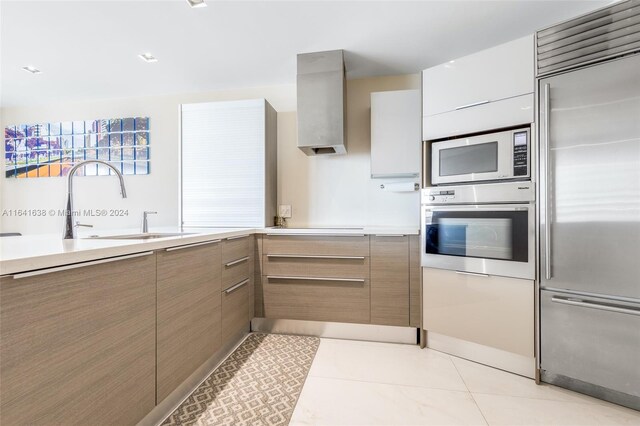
[[520, 154]]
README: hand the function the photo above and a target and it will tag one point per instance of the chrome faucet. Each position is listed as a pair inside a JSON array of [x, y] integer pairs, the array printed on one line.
[[145, 221], [69, 228]]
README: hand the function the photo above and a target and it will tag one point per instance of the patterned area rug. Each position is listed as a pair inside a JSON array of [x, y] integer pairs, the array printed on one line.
[[259, 384]]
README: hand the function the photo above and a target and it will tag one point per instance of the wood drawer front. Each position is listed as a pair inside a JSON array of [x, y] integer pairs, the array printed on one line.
[[337, 301], [236, 311], [317, 244], [390, 280], [189, 313], [329, 266], [78, 346], [236, 270], [235, 248]]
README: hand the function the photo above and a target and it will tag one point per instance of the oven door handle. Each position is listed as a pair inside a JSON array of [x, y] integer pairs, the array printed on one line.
[[473, 274]]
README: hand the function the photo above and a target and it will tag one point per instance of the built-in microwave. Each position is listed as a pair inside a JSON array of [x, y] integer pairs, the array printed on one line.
[[497, 156]]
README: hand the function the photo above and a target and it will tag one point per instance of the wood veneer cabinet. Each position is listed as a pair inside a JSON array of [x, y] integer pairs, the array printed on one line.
[[390, 280], [236, 309], [316, 278], [78, 344], [189, 311], [237, 285], [415, 272], [348, 278], [258, 272]]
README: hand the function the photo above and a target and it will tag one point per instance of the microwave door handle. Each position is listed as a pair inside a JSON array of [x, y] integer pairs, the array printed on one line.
[[547, 203]]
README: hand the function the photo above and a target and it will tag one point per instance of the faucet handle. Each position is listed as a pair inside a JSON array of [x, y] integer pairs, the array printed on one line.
[[145, 224], [82, 224]]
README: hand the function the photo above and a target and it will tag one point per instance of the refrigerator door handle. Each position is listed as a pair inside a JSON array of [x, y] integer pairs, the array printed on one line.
[[547, 203], [594, 305]]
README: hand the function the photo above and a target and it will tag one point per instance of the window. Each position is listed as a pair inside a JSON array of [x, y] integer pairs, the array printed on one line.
[[51, 149]]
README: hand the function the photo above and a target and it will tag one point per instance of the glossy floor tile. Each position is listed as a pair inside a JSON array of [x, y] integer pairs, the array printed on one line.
[[510, 410], [346, 402], [482, 379], [386, 363], [366, 383]]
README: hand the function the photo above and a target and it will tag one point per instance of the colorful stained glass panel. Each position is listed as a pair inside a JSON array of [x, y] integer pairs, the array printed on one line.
[[51, 149]]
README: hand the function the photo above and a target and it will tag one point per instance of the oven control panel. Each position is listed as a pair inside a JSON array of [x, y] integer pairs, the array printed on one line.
[[441, 196], [485, 193]]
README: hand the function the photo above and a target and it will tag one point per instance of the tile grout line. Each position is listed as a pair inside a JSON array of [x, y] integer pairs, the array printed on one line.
[[387, 383], [470, 393], [536, 398], [601, 403], [596, 401]]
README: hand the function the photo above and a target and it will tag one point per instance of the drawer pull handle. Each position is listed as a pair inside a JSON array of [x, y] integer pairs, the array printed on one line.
[[304, 256], [473, 274], [235, 262], [594, 305], [390, 235], [192, 245], [472, 104], [280, 277], [237, 286], [79, 265], [236, 237], [315, 235]]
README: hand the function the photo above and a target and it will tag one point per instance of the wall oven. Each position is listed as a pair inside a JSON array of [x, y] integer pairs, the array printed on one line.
[[480, 229], [496, 156]]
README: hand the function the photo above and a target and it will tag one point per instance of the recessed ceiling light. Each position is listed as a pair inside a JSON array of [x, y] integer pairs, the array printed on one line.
[[32, 70], [147, 57], [197, 3]]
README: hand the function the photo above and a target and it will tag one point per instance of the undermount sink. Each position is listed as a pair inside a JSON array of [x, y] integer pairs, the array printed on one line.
[[145, 236]]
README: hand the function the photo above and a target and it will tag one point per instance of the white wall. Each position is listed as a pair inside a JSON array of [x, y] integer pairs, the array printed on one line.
[[323, 191], [338, 190]]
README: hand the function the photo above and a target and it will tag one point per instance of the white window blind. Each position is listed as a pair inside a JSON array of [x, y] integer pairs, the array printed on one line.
[[223, 164]]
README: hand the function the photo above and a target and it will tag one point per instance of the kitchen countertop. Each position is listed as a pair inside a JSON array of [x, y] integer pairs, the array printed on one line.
[[371, 230], [31, 252]]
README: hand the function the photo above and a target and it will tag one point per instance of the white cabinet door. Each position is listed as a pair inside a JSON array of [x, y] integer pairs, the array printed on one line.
[[494, 115], [500, 72], [228, 156], [395, 134], [487, 319]]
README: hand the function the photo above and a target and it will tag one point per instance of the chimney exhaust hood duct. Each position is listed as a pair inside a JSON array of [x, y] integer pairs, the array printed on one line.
[[321, 103]]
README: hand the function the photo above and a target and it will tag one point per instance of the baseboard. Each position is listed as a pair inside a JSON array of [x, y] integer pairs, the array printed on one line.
[[590, 389], [175, 398], [513, 363], [337, 330]]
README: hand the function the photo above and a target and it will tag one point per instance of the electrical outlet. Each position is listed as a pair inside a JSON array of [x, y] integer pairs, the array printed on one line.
[[285, 210]]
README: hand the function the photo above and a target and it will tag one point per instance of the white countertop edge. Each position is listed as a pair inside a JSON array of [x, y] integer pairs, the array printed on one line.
[[53, 251], [341, 231], [66, 252]]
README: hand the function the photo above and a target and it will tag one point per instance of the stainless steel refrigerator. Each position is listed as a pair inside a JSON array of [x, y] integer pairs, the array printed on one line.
[[589, 125]]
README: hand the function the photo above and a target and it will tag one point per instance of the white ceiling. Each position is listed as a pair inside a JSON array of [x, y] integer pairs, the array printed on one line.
[[88, 49]]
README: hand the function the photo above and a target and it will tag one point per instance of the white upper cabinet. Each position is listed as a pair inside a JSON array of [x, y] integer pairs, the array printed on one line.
[[481, 81], [228, 173], [395, 134]]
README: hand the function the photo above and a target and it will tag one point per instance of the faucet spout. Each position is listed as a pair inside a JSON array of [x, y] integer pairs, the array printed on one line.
[[69, 228]]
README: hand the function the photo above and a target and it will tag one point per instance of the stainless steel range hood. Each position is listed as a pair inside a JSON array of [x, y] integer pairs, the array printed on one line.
[[322, 103]]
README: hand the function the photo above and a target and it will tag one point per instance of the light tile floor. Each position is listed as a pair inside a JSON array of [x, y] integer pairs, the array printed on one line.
[[365, 383]]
